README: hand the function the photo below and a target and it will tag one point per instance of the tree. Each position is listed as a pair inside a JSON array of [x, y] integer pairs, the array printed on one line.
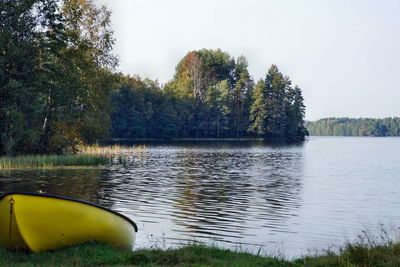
[[24, 36], [258, 110], [78, 78], [276, 86], [224, 100], [193, 65], [196, 82], [243, 85], [277, 109], [295, 112], [55, 74], [355, 127]]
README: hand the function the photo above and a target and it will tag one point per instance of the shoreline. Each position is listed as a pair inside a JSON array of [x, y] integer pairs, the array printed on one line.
[[189, 139], [202, 139]]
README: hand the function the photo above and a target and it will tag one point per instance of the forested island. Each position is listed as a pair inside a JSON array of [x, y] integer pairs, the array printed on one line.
[[355, 127], [212, 95], [59, 87]]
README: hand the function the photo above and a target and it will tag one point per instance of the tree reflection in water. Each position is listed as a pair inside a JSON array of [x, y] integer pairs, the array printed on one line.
[[220, 192], [224, 192], [80, 183]]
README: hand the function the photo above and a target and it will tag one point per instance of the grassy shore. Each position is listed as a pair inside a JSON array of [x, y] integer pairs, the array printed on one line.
[[111, 150], [51, 161], [102, 255], [85, 156]]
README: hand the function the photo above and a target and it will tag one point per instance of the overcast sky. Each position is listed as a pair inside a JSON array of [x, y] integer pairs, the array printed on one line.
[[344, 54]]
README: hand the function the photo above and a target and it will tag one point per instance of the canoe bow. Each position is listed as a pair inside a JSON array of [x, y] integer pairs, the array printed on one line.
[[39, 222]]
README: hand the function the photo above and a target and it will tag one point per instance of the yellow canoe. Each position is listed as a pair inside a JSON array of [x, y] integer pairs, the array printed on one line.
[[38, 222]]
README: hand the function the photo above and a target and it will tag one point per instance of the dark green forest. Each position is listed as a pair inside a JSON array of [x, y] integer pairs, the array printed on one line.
[[355, 127], [56, 74], [212, 95], [59, 87]]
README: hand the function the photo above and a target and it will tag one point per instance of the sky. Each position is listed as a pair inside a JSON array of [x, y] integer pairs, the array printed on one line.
[[344, 54]]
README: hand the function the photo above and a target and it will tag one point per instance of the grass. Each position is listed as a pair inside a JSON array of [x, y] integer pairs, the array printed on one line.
[[112, 150], [51, 161], [104, 255], [93, 254], [385, 255], [94, 155]]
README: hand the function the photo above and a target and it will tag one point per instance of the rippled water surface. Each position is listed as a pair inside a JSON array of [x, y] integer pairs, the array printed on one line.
[[287, 198]]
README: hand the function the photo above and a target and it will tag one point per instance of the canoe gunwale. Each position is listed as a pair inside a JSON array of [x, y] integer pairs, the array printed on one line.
[[74, 200]]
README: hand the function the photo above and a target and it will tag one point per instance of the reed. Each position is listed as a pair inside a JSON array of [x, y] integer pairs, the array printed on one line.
[[51, 161], [93, 155], [111, 150]]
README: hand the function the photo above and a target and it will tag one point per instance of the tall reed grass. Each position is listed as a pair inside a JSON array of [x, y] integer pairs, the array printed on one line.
[[51, 161], [111, 150], [93, 155]]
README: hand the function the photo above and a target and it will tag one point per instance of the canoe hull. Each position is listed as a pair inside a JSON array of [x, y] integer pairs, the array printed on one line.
[[42, 222]]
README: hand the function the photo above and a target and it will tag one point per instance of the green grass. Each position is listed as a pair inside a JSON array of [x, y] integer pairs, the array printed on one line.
[[85, 156], [103, 255], [51, 161], [386, 255]]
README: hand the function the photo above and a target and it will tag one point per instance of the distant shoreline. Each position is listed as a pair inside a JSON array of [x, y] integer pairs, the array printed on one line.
[[200, 140], [354, 136], [182, 139], [354, 127]]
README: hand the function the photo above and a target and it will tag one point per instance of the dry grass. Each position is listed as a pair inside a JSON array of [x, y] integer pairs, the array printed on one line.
[[111, 150]]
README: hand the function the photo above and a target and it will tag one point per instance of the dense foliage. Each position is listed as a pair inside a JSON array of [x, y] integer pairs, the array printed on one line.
[[211, 95], [355, 127], [143, 110], [55, 79], [58, 88], [277, 109]]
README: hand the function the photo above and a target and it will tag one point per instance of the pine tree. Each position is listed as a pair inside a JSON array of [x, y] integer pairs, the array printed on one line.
[[24, 37], [295, 112], [258, 110], [276, 87], [277, 109], [243, 85]]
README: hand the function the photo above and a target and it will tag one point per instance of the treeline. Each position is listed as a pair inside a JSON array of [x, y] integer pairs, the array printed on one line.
[[59, 88], [355, 127], [211, 95], [55, 74]]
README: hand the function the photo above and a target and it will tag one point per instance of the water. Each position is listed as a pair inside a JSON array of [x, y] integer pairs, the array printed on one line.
[[276, 198]]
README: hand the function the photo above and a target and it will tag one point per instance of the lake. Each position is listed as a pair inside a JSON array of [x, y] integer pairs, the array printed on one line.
[[276, 198]]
